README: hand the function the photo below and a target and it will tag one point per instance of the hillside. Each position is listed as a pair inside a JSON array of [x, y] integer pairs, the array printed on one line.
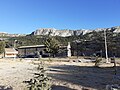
[[5, 34], [90, 42], [66, 32]]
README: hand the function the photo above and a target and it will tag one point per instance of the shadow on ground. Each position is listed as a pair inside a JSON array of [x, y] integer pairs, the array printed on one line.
[[54, 87], [5, 88], [86, 76]]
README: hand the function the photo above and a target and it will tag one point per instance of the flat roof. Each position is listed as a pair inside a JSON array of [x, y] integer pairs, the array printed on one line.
[[33, 46]]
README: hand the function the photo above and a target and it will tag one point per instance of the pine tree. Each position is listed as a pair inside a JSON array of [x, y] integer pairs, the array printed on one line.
[[52, 45]]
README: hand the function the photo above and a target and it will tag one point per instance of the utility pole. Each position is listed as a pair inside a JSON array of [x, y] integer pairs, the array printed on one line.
[[77, 49], [106, 51]]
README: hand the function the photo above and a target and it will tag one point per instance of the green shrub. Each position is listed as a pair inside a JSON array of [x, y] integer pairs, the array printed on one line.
[[41, 81], [97, 61]]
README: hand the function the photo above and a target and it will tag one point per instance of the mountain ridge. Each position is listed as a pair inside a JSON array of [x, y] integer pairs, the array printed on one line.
[[67, 32]]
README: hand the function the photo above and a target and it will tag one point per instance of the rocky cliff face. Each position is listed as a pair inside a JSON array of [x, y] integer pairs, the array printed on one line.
[[65, 33]]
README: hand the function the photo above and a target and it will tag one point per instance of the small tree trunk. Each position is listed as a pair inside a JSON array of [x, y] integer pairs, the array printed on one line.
[[53, 55], [49, 56]]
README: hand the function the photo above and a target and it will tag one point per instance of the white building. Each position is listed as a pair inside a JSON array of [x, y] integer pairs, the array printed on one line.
[[10, 53]]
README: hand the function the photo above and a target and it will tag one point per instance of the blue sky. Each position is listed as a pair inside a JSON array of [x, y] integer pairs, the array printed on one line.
[[25, 16]]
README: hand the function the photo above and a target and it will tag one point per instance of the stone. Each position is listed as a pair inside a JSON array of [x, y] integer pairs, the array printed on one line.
[[67, 32]]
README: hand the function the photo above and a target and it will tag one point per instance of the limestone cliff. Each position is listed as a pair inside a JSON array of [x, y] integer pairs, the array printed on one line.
[[66, 32]]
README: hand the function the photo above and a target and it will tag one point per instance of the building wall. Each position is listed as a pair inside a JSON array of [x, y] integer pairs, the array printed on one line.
[[24, 52], [10, 52], [10, 55]]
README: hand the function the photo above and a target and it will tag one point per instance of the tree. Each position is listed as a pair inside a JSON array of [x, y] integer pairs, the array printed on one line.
[[52, 46], [2, 46]]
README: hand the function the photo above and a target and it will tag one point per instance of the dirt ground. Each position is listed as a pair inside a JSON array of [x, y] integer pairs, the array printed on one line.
[[65, 75]]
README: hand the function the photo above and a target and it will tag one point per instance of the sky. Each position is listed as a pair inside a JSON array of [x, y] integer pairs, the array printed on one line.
[[25, 16]]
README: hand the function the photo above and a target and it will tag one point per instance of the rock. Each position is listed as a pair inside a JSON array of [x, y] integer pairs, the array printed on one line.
[[67, 32], [55, 32]]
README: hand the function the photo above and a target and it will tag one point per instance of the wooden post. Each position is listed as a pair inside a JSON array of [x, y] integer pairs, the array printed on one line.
[[115, 68]]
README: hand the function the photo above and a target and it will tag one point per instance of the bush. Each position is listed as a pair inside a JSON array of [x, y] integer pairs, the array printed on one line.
[[41, 81], [97, 61]]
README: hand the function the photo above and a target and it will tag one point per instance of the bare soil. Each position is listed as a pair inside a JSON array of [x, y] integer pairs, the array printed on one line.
[[65, 75]]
